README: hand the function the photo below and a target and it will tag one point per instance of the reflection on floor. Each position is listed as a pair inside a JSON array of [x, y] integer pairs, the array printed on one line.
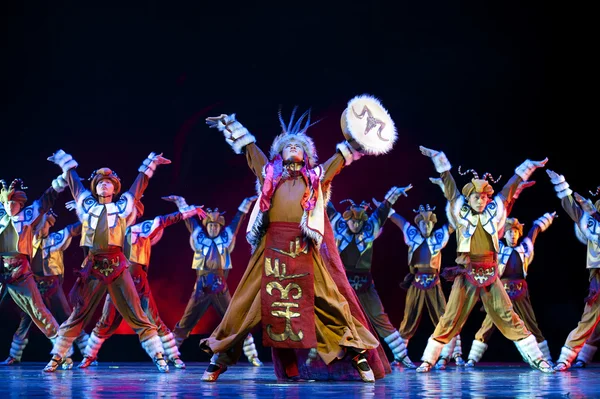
[[136, 380]]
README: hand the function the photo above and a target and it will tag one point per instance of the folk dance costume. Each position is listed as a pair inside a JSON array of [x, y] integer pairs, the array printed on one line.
[[47, 265], [17, 225], [295, 281], [212, 243], [514, 259], [477, 218], [139, 240], [589, 349], [587, 229], [104, 222], [423, 281], [354, 232]]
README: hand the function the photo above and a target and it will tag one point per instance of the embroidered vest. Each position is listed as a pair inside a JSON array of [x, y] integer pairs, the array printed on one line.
[[23, 226], [201, 243], [492, 219], [52, 251], [525, 251], [435, 242], [588, 232]]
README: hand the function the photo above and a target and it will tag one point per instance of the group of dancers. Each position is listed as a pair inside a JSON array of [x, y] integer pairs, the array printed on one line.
[[308, 280]]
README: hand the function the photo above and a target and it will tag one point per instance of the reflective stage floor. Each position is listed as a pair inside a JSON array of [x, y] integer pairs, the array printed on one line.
[[142, 380]]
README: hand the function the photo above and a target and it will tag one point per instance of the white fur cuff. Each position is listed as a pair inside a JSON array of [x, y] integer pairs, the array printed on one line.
[[544, 221], [563, 190], [245, 206], [348, 152], [148, 167], [59, 184], [525, 170], [567, 356], [432, 351], [153, 346], [188, 211], [441, 163], [392, 195], [478, 348]]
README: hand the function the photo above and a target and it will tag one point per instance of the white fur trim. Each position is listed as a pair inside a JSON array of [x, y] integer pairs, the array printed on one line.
[[305, 141], [396, 345], [369, 124], [544, 221], [153, 346], [432, 351], [567, 356], [392, 195], [530, 349], [557, 180], [525, 170], [148, 166], [93, 346], [563, 190], [170, 346], [441, 163], [59, 184], [17, 347], [249, 347], [239, 144], [448, 349], [245, 206], [62, 345], [478, 348], [81, 341], [586, 354], [545, 349], [348, 152], [64, 160], [458, 347]]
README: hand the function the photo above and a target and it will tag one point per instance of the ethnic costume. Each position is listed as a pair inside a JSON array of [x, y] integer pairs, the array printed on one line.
[[212, 262], [587, 229], [295, 281], [356, 253], [47, 265], [139, 240], [105, 268], [423, 281], [17, 225], [477, 274], [513, 266]]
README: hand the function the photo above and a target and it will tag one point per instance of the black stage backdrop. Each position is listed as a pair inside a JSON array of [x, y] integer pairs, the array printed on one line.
[[489, 84]]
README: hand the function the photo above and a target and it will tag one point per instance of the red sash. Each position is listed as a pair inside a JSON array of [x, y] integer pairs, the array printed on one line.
[[482, 270], [287, 289], [425, 281], [515, 288], [14, 268], [106, 266]]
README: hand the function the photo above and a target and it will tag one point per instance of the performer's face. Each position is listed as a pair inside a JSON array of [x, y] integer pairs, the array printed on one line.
[[355, 225], [292, 152], [213, 229], [105, 188], [425, 227], [478, 201], [12, 207], [512, 237]]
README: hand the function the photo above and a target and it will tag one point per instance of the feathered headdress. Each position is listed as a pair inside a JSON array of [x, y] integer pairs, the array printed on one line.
[[296, 131]]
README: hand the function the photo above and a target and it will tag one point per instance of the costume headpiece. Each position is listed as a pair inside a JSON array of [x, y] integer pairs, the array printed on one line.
[[478, 185], [214, 216], [597, 204], [425, 213], [296, 131], [14, 192], [357, 212], [101, 174], [513, 223]]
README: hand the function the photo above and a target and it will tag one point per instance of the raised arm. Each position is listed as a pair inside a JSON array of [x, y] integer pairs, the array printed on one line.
[[522, 174], [540, 225], [240, 215], [161, 222], [186, 212], [146, 171], [241, 141], [565, 194], [381, 214], [442, 166], [68, 165]]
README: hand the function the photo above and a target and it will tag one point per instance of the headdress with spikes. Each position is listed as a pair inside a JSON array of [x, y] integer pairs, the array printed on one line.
[[15, 192], [101, 174], [214, 216], [357, 212], [478, 185], [425, 213], [296, 131]]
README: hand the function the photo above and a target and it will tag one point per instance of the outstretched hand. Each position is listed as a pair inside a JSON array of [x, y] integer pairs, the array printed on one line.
[[428, 152], [540, 164], [375, 202], [213, 121], [71, 205], [437, 181], [552, 174], [57, 155], [403, 190], [159, 159], [200, 212], [523, 185]]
